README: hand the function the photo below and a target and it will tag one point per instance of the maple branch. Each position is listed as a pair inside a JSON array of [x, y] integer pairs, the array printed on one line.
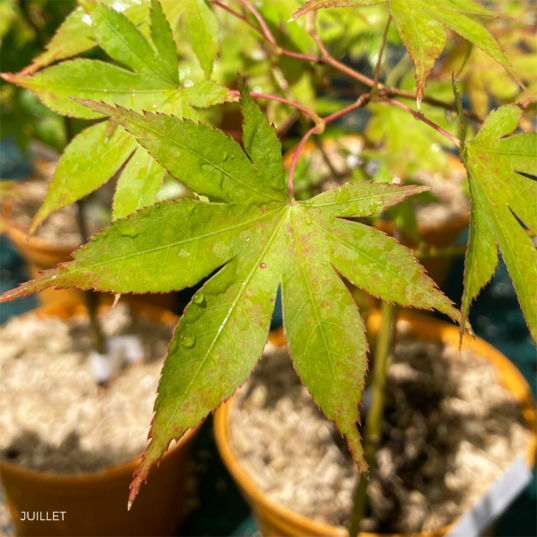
[[421, 117], [266, 32], [299, 56], [325, 57], [403, 94], [239, 16], [389, 91], [277, 49], [362, 100], [90, 298], [318, 40], [341, 67], [296, 154], [317, 120], [373, 426], [374, 90], [318, 129]]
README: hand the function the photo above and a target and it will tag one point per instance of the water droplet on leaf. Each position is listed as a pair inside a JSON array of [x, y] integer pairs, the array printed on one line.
[[130, 232], [189, 342], [308, 220], [199, 298], [224, 155]]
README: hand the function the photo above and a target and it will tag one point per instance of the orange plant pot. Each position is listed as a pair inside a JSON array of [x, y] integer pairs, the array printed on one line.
[[40, 255], [278, 521], [96, 503]]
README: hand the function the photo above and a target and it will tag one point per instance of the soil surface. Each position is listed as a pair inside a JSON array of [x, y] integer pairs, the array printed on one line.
[[53, 415], [449, 431]]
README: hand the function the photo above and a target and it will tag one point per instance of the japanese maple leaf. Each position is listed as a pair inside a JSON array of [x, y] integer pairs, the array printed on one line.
[[75, 35], [422, 28], [98, 152], [502, 199], [251, 237]]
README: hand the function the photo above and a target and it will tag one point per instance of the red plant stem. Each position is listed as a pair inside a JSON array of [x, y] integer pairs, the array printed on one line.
[[296, 154], [320, 44], [318, 129], [298, 55], [364, 99], [283, 52], [298, 106], [261, 21], [421, 117], [238, 15], [374, 89], [328, 59], [372, 83]]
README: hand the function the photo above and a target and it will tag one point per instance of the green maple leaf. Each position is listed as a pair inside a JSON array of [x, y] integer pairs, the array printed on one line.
[[502, 196], [95, 155], [202, 29], [75, 35], [422, 27], [253, 238]]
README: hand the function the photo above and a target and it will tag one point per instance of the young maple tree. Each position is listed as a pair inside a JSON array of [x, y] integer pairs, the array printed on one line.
[[245, 230]]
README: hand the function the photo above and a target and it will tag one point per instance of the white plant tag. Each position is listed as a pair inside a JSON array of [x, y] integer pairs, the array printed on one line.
[[121, 350], [130, 346], [500, 496]]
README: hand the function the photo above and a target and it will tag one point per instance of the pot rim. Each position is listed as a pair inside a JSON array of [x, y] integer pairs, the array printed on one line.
[[18, 235], [67, 310], [422, 327]]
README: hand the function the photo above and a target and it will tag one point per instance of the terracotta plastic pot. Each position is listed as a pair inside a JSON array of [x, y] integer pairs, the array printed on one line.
[[40, 255], [96, 503], [276, 520]]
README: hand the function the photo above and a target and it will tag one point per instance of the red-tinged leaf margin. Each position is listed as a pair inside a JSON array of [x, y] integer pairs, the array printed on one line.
[[314, 5], [360, 461], [467, 301], [141, 472]]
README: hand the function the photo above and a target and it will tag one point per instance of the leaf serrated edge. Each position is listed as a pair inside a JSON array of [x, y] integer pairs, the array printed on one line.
[[362, 469]]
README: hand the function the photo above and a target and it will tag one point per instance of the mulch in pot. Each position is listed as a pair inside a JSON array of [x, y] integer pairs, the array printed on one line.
[[449, 431], [54, 417]]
